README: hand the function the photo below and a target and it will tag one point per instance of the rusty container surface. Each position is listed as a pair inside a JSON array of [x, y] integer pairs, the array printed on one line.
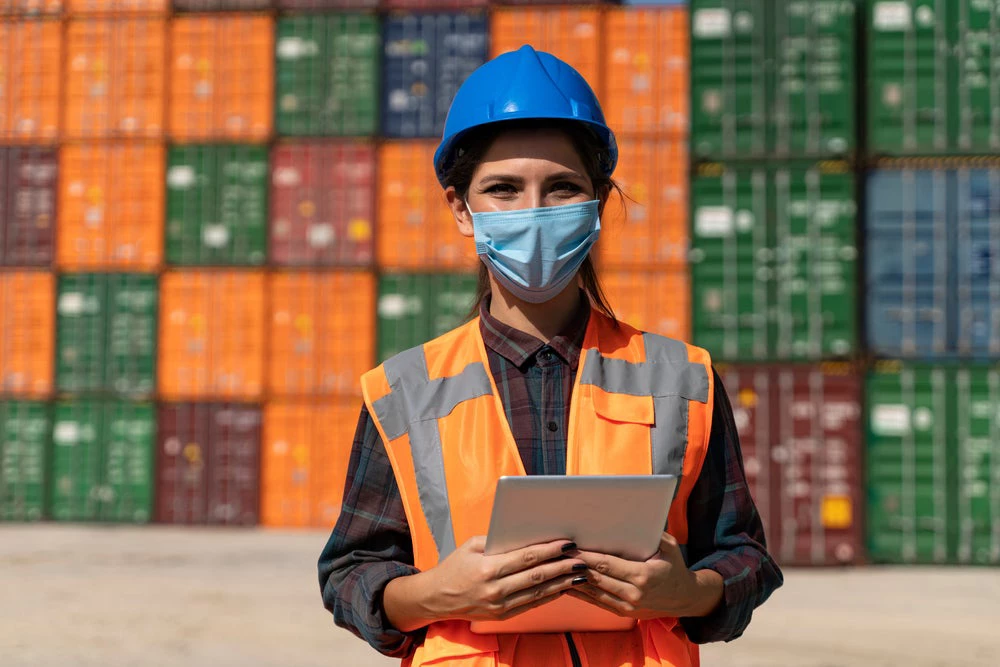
[[208, 464], [28, 182], [31, 55], [800, 433]]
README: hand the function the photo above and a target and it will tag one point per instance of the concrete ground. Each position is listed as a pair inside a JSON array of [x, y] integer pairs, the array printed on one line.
[[82, 596]]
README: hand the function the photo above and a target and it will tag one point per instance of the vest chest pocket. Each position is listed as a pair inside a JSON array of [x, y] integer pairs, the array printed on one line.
[[613, 433], [452, 642]]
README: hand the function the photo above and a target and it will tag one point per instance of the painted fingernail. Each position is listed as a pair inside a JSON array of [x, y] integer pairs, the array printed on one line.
[[579, 580], [579, 567], [569, 546]]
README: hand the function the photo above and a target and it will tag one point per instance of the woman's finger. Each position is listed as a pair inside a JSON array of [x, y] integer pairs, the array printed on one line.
[[529, 598], [591, 596], [536, 576], [529, 557], [612, 566]]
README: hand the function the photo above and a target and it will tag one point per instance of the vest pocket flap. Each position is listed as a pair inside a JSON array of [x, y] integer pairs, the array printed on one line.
[[622, 407], [453, 640]]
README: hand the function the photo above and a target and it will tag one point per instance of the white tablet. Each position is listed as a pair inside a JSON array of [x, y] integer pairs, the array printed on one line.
[[622, 515]]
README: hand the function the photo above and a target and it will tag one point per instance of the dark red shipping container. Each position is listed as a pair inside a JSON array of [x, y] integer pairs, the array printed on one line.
[[28, 182], [326, 5], [800, 432], [221, 5], [323, 203], [208, 464], [433, 4]]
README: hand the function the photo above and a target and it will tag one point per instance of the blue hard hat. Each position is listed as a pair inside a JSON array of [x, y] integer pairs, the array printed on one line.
[[523, 85]]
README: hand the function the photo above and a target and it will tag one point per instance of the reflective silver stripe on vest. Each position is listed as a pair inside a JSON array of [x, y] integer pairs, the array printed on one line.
[[670, 378], [413, 406]]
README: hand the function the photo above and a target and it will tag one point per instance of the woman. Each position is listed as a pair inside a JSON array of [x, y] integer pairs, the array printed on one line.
[[526, 163]]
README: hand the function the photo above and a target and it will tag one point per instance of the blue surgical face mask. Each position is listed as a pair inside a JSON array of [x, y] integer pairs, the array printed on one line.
[[536, 252]]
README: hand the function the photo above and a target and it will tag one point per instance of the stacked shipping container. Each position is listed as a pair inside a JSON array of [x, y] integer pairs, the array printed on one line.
[[240, 218]]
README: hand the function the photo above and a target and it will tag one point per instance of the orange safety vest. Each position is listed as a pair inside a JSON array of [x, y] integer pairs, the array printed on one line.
[[641, 404]]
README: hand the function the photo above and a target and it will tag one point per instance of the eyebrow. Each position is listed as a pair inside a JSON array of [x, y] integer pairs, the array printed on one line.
[[518, 180]]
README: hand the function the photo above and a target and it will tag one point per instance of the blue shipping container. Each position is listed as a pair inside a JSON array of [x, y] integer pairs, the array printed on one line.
[[427, 57], [933, 284]]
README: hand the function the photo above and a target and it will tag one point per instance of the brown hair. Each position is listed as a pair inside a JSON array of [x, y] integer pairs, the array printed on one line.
[[474, 145]]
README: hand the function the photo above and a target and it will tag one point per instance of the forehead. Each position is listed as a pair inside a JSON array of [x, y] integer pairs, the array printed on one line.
[[537, 148]]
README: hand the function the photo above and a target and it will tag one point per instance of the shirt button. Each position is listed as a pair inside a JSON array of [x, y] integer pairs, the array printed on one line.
[[545, 355], [553, 427]]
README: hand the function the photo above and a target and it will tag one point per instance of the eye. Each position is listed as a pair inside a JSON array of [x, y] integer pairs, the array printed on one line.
[[500, 189], [566, 187]]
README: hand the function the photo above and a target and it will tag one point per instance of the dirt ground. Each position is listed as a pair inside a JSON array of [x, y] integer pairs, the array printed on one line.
[[82, 596]]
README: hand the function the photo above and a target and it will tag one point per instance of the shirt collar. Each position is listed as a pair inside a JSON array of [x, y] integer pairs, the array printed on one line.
[[519, 347]]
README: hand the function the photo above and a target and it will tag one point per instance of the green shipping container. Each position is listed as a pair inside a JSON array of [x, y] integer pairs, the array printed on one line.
[[327, 75], [102, 461], [934, 84], [772, 79], [934, 464], [415, 308], [217, 205], [106, 333], [24, 437], [773, 261]]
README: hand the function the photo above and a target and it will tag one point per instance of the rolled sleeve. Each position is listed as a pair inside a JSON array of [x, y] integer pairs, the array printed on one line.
[[369, 546], [726, 534]]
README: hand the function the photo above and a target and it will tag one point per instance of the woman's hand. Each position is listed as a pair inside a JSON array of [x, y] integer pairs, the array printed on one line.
[[660, 586], [470, 585]]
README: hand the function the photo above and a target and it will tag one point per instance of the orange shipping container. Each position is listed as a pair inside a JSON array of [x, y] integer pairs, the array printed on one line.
[[654, 301], [651, 231], [27, 333], [569, 33], [646, 71], [111, 202], [221, 77], [322, 333], [306, 449], [29, 7], [115, 78], [117, 6], [30, 68], [415, 227], [211, 335]]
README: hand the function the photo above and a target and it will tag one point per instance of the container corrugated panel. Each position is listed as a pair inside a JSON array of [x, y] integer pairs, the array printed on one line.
[[908, 76], [328, 75], [977, 265], [102, 461], [649, 229], [211, 345], [908, 448], [415, 308], [774, 261], [217, 205], [426, 58], [323, 204], [977, 426], [31, 55], [221, 78], [416, 229], [414, 5], [813, 105], [30, 7], [208, 464], [654, 301], [25, 428], [28, 181], [326, 5], [567, 32], [106, 333], [729, 78], [115, 78], [221, 5], [116, 7], [974, 26], [322, 333], [800, 434], [27, 326], [646, 71], [306, 449], [110, 206]]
